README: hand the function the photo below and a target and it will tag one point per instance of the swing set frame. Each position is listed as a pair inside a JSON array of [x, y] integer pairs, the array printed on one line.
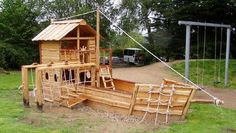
[[188, 25]]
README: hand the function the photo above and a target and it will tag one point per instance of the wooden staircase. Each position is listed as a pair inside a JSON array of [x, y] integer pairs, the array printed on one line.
[[106, 78], [71, 101], [65, 96], [71, 98]]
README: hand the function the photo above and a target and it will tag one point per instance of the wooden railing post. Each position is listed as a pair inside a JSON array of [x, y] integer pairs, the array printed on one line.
[[25, 86], [133, 99], [39, 93], [98, 46], [93, 76]]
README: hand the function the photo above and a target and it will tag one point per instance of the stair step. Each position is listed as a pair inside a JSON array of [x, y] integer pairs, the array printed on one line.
[[75, 101], [64, 97], [110, 87], [72, 95], [48, 100]]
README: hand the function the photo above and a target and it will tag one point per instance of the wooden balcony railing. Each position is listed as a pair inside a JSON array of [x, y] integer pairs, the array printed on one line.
[[75, 55]]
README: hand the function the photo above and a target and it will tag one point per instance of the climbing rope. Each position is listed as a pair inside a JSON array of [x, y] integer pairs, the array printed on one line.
[[215, 56], [158, 104], [32, 78], [221, 44], [197, 65], [149, 101], [203, 56]]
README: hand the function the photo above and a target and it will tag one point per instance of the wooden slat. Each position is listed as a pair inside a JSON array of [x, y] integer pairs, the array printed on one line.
[[188, 104], [69, 38], [75, 101], [87, 38], [177, 92], [108, 101], [204, 101], [153, 110], [177, 102], [133, 100]]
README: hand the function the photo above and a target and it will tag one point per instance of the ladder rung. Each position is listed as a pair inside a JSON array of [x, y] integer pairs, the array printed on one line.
[[110, 87], [48, 100], [110, 80], [64, 97], [72, 95]]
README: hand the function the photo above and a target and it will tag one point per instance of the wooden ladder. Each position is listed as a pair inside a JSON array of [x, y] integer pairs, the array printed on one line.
[[106, 78]]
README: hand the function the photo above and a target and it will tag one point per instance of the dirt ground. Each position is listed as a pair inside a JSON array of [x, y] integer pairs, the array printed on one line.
[[154, 74]]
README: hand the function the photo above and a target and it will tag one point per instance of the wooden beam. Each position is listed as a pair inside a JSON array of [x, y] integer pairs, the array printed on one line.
[[204, 101], [66, 66], [80, 21], [188, 104], [45, 65], [133, 100], [25, 86], [69, 38], [93, 76], [98, 46], [78, 42], [39, 93], [107, 101], [110, 60], [87, 38]]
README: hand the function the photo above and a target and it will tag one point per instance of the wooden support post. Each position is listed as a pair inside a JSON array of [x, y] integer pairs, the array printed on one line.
[[98, 47], [133, 99], [25, 85], [93, 76], [39, 92], [188, 104], [78, 44], [78, 75], [110, 60]]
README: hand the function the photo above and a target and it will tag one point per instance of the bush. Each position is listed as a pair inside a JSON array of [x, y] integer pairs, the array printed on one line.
[[12, 57], [118, 52]]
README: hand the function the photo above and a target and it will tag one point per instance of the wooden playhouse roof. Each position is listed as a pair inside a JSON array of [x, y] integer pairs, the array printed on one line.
[[58, 29]]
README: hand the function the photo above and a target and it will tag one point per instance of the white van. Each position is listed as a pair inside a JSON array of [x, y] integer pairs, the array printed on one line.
[[131, 55]]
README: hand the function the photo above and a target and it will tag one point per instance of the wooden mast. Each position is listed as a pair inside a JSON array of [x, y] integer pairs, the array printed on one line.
[[98, 46], [78, 43]]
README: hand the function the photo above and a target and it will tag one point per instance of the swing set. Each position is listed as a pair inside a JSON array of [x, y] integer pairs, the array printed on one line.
[[190, 24]]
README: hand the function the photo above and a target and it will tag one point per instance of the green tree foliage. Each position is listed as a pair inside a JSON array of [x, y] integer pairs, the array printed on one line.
[[161, 17], [18, 25]]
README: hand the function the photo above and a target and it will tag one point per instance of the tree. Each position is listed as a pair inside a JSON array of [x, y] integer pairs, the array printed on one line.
[[17, 22]]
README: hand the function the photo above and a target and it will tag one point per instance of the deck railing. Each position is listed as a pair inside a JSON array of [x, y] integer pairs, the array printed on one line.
[[75, 54]]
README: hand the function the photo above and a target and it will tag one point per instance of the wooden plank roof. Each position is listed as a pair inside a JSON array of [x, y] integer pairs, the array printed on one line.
[[58, 29]]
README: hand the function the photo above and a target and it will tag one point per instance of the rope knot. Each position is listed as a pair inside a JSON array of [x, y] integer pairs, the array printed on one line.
[[217, 101]]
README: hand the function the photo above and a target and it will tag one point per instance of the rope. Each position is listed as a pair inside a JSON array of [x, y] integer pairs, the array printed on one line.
[[221, 44], [197, 55], [203, 56], [158, 103], [149, 99], [215, 68], [195, 85], [78, 15]]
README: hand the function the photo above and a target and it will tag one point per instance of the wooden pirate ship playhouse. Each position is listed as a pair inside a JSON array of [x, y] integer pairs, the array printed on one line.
[[70, 73]]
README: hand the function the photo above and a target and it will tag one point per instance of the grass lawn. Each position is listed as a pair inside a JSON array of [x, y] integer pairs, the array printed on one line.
[[209, 77], [14, 118], [10, 81]]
